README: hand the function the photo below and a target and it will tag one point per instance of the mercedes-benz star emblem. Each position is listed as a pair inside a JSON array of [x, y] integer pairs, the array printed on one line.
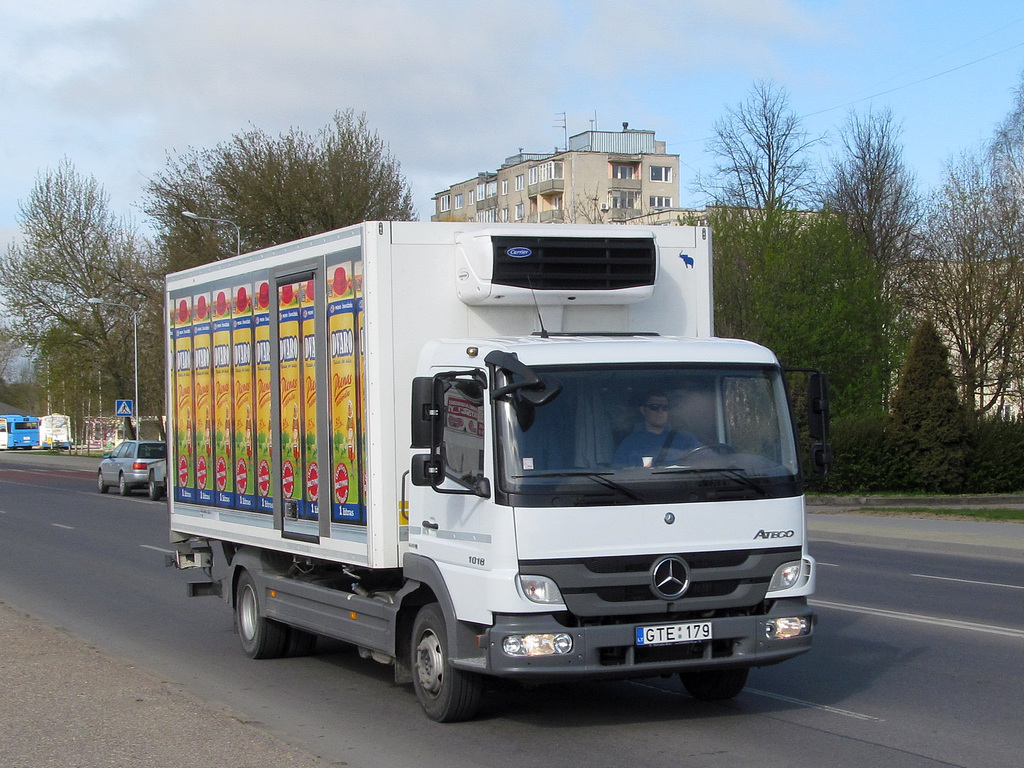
[[670, 578]]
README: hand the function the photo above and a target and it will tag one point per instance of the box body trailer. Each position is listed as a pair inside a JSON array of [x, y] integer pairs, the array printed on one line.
[[472, 450], [55, 431]]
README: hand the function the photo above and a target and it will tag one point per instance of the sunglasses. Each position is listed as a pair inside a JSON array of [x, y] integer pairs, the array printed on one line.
[[656, 406]]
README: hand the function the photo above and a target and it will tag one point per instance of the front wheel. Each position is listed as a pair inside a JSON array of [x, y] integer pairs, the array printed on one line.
[[446, 694], [715, 684], [122, 486], [100, 485], [262, 638]]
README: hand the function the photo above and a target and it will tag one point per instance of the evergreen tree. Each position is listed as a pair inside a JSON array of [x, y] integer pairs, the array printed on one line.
[[927, 424]]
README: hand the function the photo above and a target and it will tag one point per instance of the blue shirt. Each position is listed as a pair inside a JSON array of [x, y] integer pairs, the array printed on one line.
[[640, 444]]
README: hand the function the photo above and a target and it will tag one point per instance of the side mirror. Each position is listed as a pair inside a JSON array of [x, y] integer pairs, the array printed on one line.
[[818, 406]]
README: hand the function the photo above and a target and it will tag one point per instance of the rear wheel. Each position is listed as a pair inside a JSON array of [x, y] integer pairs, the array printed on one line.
[[446, 694], [155, 491], [715, 684], [262, 638], [100, 485]]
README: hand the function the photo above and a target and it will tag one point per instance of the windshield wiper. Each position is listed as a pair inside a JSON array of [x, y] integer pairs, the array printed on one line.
[[736, 473], [601, 478]]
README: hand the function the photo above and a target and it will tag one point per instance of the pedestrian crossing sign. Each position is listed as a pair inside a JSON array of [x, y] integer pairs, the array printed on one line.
[[124, 408]]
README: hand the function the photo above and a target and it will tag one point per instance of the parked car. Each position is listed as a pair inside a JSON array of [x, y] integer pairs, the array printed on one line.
[[157, 479], [127, 466]]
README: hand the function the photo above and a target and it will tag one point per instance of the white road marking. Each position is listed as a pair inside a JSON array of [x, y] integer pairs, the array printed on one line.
[[936, 621], [968, 581], [812, 705], [66, 527], [157, 549]]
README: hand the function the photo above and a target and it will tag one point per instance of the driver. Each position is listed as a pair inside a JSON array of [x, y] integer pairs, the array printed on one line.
[[652, 442]]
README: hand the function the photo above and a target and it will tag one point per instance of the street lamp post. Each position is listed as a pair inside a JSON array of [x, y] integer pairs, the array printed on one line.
[[238, 229], [135, 339]]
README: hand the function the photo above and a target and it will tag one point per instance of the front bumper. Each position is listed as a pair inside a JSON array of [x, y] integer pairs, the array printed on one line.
[[610, 652]]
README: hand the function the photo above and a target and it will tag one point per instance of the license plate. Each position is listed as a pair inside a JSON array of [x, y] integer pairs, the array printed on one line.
[[668, 634]]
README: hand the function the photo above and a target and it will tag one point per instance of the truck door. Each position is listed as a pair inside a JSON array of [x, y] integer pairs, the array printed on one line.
[[298, 427]]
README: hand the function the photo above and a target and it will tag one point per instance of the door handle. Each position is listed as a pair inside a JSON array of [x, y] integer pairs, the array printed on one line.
[[430, 525]]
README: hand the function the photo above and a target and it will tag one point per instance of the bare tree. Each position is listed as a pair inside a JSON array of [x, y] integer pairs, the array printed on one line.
[[276, 189], [872, 187], [762, 151], [74, 249], [971, 281]]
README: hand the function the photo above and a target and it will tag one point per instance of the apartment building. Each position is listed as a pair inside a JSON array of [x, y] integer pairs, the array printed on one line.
[[602, 177]]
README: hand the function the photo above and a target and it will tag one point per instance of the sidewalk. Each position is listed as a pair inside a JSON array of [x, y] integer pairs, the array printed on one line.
[[66, 705], [832, 519]]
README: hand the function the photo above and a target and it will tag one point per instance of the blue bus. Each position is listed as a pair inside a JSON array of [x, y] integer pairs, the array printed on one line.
[[18, 432]]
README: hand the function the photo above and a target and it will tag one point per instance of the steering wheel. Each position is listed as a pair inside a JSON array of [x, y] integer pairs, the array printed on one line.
[[720, 448]]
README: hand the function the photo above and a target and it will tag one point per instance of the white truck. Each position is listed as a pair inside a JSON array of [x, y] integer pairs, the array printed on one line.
[[490, 450]]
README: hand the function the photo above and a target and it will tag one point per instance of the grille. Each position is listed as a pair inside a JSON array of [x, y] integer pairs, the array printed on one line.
[[567, 264], [621, 586]]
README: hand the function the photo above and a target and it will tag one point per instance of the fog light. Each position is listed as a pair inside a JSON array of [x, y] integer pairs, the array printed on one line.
[[537, 645], [788, 627]]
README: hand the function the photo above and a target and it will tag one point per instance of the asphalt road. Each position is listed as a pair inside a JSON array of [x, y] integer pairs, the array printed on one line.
[[917, 662]]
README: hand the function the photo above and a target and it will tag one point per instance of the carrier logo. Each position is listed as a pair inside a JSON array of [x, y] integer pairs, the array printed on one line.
[[763, 534], [519, 252], [670, 578]]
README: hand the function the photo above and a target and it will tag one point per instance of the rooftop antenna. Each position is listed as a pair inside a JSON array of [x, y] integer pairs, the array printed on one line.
[[593, 121], [565, 130]]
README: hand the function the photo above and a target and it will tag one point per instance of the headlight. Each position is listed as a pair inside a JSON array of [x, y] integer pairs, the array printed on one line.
[[540, 589], [537, 645], [786, 575]]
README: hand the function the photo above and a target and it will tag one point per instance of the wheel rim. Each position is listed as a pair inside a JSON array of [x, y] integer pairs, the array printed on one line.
[[248, 613], [430, 664], [99, 481]]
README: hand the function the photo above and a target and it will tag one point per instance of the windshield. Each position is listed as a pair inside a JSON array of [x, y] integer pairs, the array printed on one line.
[[651, 434]]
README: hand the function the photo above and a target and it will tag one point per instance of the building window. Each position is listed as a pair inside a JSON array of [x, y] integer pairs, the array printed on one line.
[[492, 188], [444, 203], [661, 173], [458, 201], [472, 197], [622, 198], [480, 191], [504, 215], [657, 201], [623, 171], [520, 212], [504, 186], [520, 182], [533, 175], [548, 171]]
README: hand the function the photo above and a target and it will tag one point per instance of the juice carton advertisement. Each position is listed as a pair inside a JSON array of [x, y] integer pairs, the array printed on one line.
[[364, 477], [312, 470], [183, 478], [288, 328], [223, 447], [202, 338], [341, 319], [242, 397], [264, 432]]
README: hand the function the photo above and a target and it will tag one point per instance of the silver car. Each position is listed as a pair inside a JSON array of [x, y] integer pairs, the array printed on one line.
[[127, 466]]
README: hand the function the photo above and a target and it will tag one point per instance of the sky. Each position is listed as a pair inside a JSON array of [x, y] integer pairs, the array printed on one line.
[[454, 87]]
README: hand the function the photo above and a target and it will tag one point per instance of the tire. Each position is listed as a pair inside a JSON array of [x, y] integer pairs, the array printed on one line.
[[262, 638], [155, 491], [447, 695], [122, 486], [715, 684], [100, 485], [300, 642]]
